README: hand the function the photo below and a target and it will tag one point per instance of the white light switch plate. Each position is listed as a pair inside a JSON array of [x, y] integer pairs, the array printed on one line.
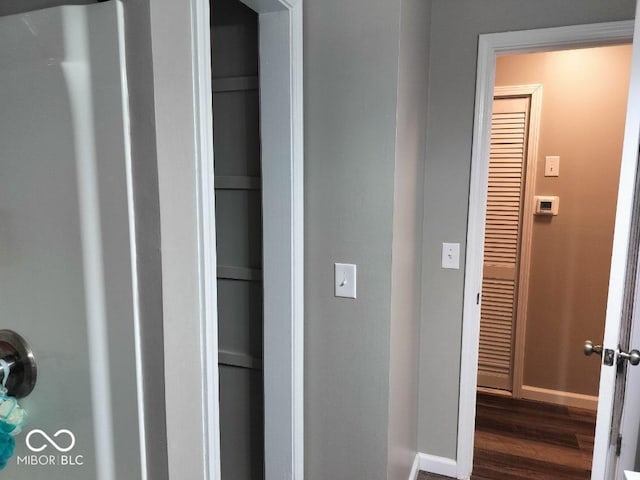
[[552, 166], [451, 255], [345, 280]]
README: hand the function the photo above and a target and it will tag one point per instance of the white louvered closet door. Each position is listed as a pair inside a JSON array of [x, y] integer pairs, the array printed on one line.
[[507, 167]]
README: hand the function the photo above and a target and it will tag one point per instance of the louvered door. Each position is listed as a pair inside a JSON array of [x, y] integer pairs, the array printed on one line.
[[502, 240]]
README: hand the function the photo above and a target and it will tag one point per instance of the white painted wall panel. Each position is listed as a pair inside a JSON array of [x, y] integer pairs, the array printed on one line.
[[65, 267]]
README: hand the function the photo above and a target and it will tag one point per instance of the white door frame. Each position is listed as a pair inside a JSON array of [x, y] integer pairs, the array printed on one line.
[[180, 34], [491, 45]]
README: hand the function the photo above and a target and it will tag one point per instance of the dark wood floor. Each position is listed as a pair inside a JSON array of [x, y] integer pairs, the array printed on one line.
[[525, 440]]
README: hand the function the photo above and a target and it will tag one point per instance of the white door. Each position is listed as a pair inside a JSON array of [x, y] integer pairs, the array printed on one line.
[[619, 412], [67, 271]]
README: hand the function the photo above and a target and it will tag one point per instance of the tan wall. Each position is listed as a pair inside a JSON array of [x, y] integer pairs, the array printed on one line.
[[583, 113]]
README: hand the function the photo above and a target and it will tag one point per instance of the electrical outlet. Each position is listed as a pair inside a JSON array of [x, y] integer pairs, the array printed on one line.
[[451, 255]]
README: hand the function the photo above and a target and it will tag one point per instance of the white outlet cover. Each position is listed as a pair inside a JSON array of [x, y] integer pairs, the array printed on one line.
[[345, 280], [451, 255]]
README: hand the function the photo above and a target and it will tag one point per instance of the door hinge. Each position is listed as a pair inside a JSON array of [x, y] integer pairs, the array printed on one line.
[[618, 445], [477, 299]]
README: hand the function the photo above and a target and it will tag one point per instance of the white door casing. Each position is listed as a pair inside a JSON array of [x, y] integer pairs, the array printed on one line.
[[490, 45], [280, 25], [182, 88]]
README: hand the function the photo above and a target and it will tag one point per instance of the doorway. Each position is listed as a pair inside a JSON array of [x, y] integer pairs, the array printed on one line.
[[256, 71], [183, 120], [557, 257], [622, 277], [238, 187], [533, 319]]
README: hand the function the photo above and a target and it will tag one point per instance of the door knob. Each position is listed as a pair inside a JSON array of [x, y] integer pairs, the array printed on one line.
[[590, 348], [18, 354], [633, 356]]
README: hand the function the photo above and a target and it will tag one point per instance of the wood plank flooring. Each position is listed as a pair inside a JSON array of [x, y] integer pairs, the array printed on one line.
[[526, 440]]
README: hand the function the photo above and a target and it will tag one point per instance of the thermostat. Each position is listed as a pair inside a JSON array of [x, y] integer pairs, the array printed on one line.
[[546, 205]]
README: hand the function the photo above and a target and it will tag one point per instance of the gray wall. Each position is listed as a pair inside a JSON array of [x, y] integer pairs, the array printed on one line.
[[350, 75], [407, 237], [455, 26]]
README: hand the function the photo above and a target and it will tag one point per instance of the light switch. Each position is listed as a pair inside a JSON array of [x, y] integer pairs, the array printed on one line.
[[345, 280], [552, 166], [451, 255]]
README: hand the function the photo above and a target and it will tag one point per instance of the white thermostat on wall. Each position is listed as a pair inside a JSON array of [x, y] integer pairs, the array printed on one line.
[[546, 205]]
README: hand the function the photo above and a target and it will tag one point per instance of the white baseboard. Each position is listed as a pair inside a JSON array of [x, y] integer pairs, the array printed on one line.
[[415, 468], [439, 465], [568, 399]]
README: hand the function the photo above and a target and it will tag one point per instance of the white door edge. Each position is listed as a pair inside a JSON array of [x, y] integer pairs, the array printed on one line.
[[182, 89], [281, 135], [489, 46], [631, 414], [206, 239], [184, 124]]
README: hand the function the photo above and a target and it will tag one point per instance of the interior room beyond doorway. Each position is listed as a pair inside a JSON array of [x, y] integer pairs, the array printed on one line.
[[558, 300]]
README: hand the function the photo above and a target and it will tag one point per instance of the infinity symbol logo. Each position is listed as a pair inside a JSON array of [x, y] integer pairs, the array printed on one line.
[[51, 441]]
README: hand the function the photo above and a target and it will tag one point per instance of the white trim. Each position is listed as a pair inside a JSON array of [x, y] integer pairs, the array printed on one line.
[[557, 397], [206, 217], [131, 208], [415, 470], [182, 76], [283, 223], [184, 158], [182, 91], [438, 465], [297, 280], [489, 46]]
